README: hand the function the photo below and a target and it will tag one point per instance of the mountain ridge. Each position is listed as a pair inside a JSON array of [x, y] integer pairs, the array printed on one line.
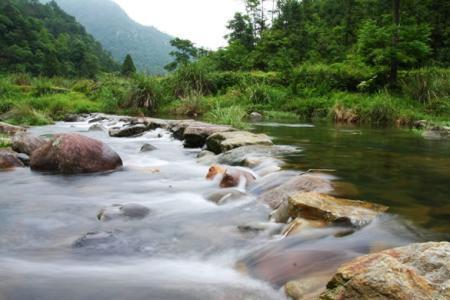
[[120, 34]]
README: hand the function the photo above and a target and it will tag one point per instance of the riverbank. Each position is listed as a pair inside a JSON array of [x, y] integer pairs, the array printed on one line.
[[295, 198], [316, 93]]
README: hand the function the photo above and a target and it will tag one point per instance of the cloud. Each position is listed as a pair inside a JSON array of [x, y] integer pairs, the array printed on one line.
[[201, 21]]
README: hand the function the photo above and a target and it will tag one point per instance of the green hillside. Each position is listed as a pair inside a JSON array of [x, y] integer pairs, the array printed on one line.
[[44, 40], [120, 35]]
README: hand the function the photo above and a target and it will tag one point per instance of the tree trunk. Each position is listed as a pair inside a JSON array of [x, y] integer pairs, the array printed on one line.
[[395, 40]]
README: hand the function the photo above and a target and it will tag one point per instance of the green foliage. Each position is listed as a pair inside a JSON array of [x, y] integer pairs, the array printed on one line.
[[185, 52], [429, 86], [232, 115], [128, 67], [279, 115], [145, 93], [5, 141], [24, 114], [188, 79], [44, 40]]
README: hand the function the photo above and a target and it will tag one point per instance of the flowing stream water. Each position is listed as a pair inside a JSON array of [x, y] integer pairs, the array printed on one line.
[[191, 248]]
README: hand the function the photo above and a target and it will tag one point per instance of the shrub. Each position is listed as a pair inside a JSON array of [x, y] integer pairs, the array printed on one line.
[[193, 105], [188, 79], [146, 93], [233, 115]]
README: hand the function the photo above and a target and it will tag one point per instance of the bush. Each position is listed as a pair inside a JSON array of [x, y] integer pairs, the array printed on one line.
[[320, 79], [146, 93], [233, 115], [189, 79], [429, 86]]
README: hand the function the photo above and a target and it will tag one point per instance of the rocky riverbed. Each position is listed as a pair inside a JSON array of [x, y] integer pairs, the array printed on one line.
[[119, 207]]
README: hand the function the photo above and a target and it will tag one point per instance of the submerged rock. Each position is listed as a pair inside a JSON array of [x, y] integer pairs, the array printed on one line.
[[306, 288], [129, 211], [26, 143], [321, 207], [148, 148], [224, 141], [71, 118], [196, 133], [9, 129], [128, 131], [416, 271], [74, 153], [300, 224], [9, 160], [225, 195], [97, 127], [100, 241]]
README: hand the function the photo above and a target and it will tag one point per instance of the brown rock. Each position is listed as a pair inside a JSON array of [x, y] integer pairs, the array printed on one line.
[[26, 143], [317, 206], [224, 141], [74, 153], [300, 183], [417, 271], [9, 160], [9, 129]]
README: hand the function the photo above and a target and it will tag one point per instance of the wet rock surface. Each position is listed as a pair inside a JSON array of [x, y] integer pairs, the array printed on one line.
[[74, 153], [128, 131], [196, 133], [225, 141], [321, 207], [9, 129], [9, 160], [148, 148], [416, 271], [26, 143]]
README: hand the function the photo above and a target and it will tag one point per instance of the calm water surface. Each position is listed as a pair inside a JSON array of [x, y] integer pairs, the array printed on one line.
[[191, 248], [392, 166]]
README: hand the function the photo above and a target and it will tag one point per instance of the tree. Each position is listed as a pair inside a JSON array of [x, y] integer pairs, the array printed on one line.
[[395, 40], [128, 67], [184, 53], [241, 31]]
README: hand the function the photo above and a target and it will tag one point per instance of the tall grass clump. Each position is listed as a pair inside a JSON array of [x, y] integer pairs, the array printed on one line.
[[232, 115], [24, 114], [146, 93], [188, 79]]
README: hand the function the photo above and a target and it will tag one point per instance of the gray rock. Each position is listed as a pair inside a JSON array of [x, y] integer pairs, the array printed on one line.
[[26, 143], [97, 127], [71, 118], [196, 133], [148, 148], [256, 117], [129, 211], [251, 156], [224, 141], [25, 159], [97, 119], [128, 131]]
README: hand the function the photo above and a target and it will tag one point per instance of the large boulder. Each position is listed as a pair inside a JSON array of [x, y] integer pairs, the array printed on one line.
[[196, 133], [9, 160], [74, 153], [416, 271], [128, 131], [26, 143], [321, 207], [224, 141], [9, 129]]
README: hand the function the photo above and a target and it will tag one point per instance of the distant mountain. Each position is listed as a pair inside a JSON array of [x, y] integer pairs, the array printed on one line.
[[44, 40], [120, 35]]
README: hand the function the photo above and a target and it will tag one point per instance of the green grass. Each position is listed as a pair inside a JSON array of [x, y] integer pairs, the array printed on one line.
[[5, 141], [233, 115]]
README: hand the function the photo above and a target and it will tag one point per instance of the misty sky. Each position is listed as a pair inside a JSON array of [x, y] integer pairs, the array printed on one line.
[[201, 21]]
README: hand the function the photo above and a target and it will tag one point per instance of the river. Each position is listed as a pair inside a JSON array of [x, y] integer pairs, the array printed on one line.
[[191, 248]]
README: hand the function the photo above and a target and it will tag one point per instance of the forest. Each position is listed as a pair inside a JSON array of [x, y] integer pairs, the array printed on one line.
[[351, 61]]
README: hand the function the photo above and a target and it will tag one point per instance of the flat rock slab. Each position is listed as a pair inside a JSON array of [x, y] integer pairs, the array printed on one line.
[[128, 131], [416, 271], [74, 153], [317, 206], [196, 133], [9, 129], [224, 141]]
